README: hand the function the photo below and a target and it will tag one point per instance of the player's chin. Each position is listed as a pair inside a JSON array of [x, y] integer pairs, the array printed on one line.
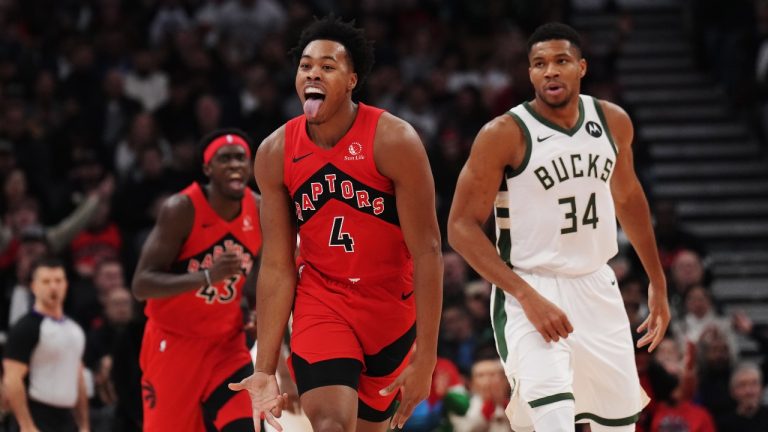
[[235, 194]]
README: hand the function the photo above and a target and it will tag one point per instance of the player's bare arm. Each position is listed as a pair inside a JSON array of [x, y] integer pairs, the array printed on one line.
[[153, 278], [276, 281], [249, 287], [400, 156], [633, 214], [499, 144]]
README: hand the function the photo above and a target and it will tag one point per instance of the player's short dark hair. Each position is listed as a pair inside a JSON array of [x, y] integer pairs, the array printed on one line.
[[555, 31], [47, 261], [359, 49], [209, 138]]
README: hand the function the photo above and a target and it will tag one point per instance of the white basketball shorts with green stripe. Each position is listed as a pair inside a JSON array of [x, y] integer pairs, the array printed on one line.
[[595, 365]]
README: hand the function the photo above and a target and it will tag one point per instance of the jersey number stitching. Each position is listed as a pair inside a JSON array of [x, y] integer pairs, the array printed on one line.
[[589, 218], [211, 294], [339, 238]]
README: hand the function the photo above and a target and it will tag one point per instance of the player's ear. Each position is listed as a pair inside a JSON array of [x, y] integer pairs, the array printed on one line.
[[207, 169], [352, 83], [582, 67]]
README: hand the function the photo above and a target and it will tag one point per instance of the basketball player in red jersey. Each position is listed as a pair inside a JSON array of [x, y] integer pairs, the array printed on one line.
[[356, 184], [192, 272]]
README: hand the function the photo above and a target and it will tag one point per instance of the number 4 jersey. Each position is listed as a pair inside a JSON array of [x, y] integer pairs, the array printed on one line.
[[555, 211], [210, 310], [345, 209]]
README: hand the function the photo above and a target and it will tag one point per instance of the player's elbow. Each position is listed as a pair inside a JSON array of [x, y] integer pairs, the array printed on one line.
[[137, 289], [456, 235]]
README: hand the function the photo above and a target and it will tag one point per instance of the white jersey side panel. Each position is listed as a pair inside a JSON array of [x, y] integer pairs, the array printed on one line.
[[558, 205]]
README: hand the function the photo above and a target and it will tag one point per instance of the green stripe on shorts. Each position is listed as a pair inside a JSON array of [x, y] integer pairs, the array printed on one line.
[[609, 422], [546, 400], [499, 317]]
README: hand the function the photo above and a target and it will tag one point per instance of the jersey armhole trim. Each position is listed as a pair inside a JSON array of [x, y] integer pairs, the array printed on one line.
[[512, 172], [608, 133]]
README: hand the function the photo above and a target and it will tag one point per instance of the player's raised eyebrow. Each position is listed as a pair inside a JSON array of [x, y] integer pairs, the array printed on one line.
[[325, 57]]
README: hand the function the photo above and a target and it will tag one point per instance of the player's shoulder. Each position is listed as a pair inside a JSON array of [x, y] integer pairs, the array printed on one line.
[[274, 142], [504, 128], [614, 114], [392, 129], [178, 206]]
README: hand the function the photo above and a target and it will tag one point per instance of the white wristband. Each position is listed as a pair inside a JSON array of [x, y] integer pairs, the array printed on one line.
[[207, 277]]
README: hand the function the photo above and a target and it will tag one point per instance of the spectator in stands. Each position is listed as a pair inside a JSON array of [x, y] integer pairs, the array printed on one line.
[[749, 414], [672, 376], [490, 396], [717, 354], [43, 370], [686, 272], [455, 276], [88, 297], [457, 338], [32, 247], [447, 403], [671, 237], [477, 297]]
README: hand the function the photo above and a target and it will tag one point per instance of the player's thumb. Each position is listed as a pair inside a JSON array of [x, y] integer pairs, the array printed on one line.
[[237, 386], [391, 388]]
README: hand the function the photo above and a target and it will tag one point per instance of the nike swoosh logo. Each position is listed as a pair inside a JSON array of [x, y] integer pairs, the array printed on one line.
[[207, 225], [540, 139], [405, 296], [296, 159], [613, 282]]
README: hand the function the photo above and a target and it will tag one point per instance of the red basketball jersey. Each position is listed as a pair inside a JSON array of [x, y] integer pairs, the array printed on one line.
[[345, 209], [214, 310]]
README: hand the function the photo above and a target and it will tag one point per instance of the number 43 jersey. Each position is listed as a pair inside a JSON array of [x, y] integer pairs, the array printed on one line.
[[210, 310], [345, 210], [555, 213]]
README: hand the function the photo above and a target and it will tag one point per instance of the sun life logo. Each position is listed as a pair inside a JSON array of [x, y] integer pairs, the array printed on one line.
[[355, 151]]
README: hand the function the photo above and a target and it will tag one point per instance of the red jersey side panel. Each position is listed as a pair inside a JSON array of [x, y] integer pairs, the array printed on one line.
[[215, 310], [345, 209]]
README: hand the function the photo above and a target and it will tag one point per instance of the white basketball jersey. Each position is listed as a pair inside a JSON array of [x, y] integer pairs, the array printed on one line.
[[555, 212]]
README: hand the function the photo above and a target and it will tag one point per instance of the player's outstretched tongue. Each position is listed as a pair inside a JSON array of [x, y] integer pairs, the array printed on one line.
[[311, 107]]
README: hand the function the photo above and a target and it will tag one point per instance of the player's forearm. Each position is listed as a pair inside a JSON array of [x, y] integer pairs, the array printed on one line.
[[150, 284], [635, 219], [17, 399], [468, 239], [428, 287], [274, 299]]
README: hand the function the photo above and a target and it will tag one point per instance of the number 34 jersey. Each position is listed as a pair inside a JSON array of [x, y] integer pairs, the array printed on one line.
[[345, 210], [210, 310], [555, 212]]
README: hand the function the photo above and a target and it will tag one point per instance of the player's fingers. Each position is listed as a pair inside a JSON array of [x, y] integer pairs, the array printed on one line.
[[646, 339], [644, 325], [273, 422], [404, 413], [392, 387], [568, 325], [562, 327]]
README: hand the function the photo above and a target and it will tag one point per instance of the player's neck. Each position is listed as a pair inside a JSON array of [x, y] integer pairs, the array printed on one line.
[[565, 116], [328, 133], [227, 208]]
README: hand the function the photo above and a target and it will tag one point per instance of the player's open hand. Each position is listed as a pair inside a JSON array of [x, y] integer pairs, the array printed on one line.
[[414, 384], [266, 400], [658, 319], [546, 317]]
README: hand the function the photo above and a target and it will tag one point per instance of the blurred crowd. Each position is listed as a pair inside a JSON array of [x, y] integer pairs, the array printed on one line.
[[102, 103]]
